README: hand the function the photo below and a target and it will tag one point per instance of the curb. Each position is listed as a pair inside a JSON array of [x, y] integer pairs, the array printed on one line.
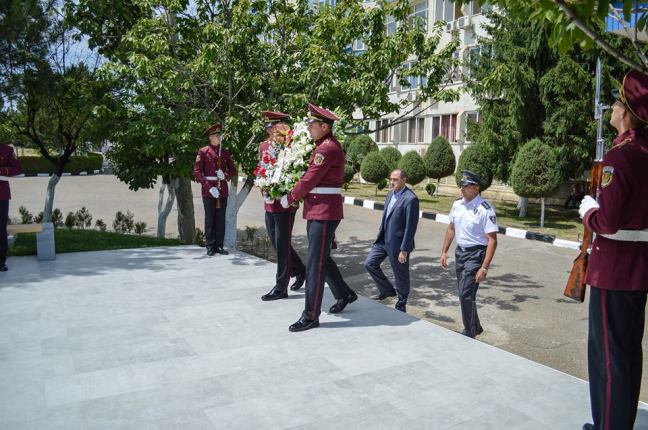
[[33, 175], [507, 231]]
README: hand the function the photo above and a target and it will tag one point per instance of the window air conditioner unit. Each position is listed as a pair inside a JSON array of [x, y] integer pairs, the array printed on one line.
[[464, 22], [450, 26]]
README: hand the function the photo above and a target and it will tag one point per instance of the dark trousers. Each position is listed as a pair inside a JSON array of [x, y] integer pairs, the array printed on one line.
[[321, 267], [372, 263], [469, 260], [4, 217], [214, 222], [614, 356], [279, 226]]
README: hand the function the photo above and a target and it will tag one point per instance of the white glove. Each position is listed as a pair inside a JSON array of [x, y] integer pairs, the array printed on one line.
[[269, 200], [214, 192], [284, 202], [220, 174], [586, 204]]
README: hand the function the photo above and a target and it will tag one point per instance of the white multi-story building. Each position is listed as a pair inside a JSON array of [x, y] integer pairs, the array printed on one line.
[[432, 119]]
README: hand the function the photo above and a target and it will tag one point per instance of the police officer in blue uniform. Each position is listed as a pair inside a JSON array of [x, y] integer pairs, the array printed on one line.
[[474, 224]]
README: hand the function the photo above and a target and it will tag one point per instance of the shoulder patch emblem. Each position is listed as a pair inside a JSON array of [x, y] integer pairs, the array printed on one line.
[[493, 219], [319, 159], [606, 176], [198, 157], [485, 204]]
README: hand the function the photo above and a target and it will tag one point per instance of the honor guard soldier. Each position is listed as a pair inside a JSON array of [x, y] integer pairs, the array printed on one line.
[[279, 220], [473, 222], [9, 166], [617, 270], [321, 189], [212, 169]]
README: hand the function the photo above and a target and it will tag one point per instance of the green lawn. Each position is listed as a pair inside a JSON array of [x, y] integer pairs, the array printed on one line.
[[88, 240], [559, 222]]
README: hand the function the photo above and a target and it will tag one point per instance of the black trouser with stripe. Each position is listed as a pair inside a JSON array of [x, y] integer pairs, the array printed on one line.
[[469, 260], [614, 356], [4, 217], [279, 226], [214, 222], [321, 267]]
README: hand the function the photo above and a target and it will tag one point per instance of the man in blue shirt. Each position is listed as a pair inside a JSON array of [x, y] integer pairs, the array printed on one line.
[[395, 240]]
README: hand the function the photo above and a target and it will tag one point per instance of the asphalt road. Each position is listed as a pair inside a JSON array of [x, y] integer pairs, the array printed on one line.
[[520, 304]]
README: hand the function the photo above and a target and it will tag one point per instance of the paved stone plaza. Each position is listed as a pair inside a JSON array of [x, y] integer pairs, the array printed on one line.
[[163, 338]]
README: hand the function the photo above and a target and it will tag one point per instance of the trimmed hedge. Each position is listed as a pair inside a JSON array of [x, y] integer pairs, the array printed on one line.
[[357, 148], [475, 159], [374, 168], [536, 170], [392, 156], [34, 164], [412, 164], [439, 159]]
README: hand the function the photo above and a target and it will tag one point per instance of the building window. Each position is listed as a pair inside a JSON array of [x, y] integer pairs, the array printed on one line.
[[444, 10], [391, 25], [421, 130], [382, 134], [420, 15], [446, 126], [412, 130], [454, 69]]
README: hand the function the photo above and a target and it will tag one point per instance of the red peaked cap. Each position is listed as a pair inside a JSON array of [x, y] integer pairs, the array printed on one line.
[[634, 94], [320, 114], [214, 128], [270, 116]]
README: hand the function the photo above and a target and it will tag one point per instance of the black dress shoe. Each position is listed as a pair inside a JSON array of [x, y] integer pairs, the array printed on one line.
[[211, 252], [222, 251], [3, 268], [341, 303], [299, 281], [303, 324], [588, 426], [383, 296], [274, 294]]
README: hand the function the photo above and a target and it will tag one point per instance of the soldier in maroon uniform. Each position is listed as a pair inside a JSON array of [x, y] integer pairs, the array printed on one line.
[[212, 169], [618, 264], [9, 166], [321, 189], [279, 220]]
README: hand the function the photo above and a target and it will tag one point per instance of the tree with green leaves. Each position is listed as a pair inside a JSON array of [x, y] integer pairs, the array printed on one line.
[[536, 172], [476, 159], [391, 156], [374, 169], [414, 167], [358, 148], [185, 65], [439, 160]]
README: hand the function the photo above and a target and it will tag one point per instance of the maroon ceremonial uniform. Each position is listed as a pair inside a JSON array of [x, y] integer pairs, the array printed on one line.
[[9, 166], [323, 210], [279, 224], [618, 274], [205, 171]]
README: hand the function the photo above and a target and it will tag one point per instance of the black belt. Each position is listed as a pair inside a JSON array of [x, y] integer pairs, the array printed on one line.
[[471, 248]]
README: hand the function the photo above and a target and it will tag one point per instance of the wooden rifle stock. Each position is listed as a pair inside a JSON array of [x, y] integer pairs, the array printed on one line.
[[575, 288]]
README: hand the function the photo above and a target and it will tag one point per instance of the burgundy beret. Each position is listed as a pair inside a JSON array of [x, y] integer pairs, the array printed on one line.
[[214, 128], [321, 114], [634, 94]]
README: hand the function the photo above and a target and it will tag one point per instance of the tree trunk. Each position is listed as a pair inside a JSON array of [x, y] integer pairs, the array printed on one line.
[[49, 197], [234, 203], [542, 207], [522, 206], [186, 221], [436, 191], [164, 209]]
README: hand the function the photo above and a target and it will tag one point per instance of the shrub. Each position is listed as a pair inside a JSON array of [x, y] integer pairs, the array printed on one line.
[[39, 218], [83, 218], [392, 156], [123, 223], [374, 169], [439, 159], [382, 184], [25, 216], [348, 173], [140, 227], [357, 149], [57, 218], [199, 238], [475, 158], [33, 164], [536, 171], [430, 189], [412, 164], [70, 220], [100, 224]]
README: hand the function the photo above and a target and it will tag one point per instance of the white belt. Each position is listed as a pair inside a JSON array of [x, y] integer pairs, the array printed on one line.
[[326, 190], [211, 178], [629, 235]]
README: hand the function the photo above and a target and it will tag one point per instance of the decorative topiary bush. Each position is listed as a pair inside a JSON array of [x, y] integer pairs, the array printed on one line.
[[475, 158], [357, 148], [348, 173], [430, 189], [439, 159], [382, 184], [412, 164], [374, 168], [392, 156]]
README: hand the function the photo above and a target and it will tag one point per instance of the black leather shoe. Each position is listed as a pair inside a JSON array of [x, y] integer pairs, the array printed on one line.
[[588, 426], [3, 268], [382, 296], [299, 281], [303, 324], [274, 294], [222, 251], [401, 307], [479, 331], [211, 252], [341, 303]]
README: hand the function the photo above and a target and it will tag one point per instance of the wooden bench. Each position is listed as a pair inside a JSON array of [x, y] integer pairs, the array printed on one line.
[[45, 247]]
